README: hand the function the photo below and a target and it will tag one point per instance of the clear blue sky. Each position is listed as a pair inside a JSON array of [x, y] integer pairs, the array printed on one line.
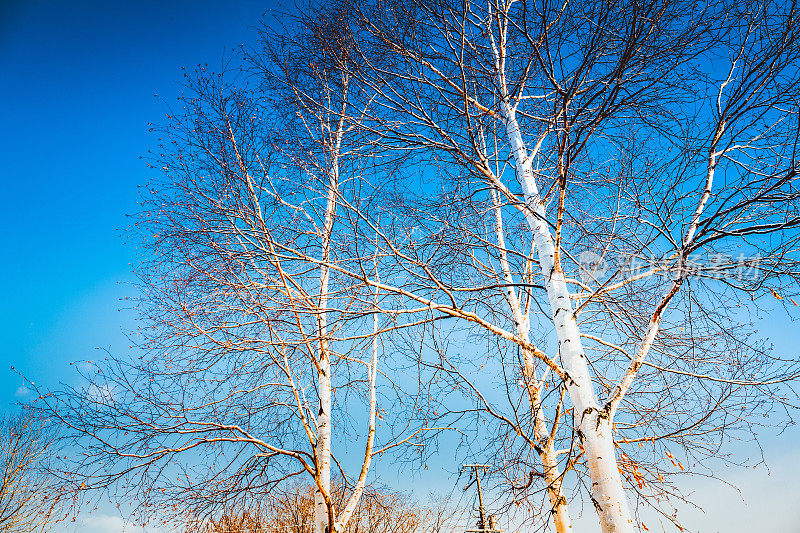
[[77, 85]]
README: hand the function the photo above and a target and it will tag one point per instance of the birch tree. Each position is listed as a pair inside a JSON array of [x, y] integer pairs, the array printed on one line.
[[244, 324], [320, 93], [560, 213], [657, 133]]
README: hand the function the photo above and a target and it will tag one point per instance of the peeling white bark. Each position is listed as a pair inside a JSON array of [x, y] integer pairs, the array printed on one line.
[[323, 506], [594, 426]]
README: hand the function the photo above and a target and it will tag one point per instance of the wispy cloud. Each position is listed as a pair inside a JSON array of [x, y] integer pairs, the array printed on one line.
[[103, 523], [100, 393], [756, 500], [21, 391]]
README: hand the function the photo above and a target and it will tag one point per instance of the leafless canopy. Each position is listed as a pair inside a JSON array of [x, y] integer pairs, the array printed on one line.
[[542, 226]]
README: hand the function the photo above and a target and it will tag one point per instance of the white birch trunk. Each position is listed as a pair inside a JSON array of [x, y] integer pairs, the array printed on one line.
[[358, 490], [323, 444], [323, 507], [593, 425]]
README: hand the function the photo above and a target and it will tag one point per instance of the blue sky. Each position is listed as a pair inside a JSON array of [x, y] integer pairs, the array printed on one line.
[[77, 86]]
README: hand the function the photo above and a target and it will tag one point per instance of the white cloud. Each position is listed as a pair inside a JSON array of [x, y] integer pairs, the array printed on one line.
[[763, 500], [756, 501], [21, 391], [87, 367], [101, 393], [104, 523]]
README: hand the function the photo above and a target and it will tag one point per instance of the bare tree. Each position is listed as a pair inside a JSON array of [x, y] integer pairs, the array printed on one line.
[[591, 198], [659, 138], [313, 76], [29, 499], [247, 332], [292, 511]]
